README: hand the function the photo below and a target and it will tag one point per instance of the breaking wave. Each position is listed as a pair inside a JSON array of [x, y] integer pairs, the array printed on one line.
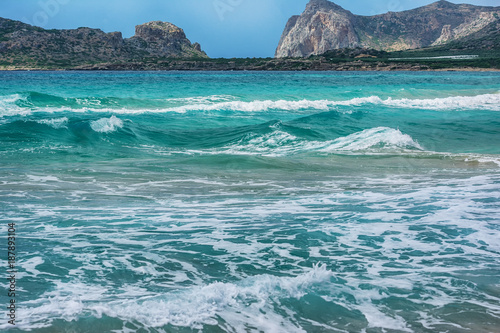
[[25, 104], [106, 125], [56, 123], [250, 300], [483, 102], [374, 140]]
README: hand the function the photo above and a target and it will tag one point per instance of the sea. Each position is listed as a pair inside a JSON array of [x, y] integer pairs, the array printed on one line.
[[250, 202]]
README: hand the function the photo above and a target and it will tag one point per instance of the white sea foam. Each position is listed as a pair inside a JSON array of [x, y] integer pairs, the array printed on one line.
[[379, 137], [56, 123], [106, 125], [42, 179], [377, 319], [248, 301], [202, 99], [483, 102], [8, 106], [426, 226], [278, 142], [255, 106], [225, 103], [88, 102], [10, 99], [373, 141], [484, 159], [235, 303], [30, 265]]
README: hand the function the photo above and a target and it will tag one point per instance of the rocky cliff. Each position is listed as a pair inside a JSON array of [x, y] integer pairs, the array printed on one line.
[[37, 47], [326, 26], [163, 39]]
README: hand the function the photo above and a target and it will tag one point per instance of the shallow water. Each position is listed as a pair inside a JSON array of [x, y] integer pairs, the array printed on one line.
[[247, 202]]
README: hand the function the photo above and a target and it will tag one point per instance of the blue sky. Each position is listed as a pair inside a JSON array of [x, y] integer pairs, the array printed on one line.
[[224, 28]]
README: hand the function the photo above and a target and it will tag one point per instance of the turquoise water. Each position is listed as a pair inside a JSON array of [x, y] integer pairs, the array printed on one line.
[[252, 202]]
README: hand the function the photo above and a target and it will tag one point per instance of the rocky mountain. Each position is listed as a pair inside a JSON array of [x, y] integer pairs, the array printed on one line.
[[487, 38], [22, 43], [325, 26], [163, 39]]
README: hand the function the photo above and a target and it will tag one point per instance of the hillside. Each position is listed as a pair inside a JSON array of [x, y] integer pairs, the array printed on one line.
[[325, 26], [29, 46]]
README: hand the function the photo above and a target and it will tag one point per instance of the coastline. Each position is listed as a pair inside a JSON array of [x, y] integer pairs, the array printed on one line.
[[266, 65], [471, 70]]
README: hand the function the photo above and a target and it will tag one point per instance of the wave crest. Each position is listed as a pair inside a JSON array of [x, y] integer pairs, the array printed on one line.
[[19, 104], [56, 123], [374, 138], [482, 102], [106, 125], [278, 142], [193, 307]]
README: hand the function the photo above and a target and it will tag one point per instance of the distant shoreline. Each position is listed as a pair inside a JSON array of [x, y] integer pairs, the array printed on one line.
[[247, 70], [269, 64]]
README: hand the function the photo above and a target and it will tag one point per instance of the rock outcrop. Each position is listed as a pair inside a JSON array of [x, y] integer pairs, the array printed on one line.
[[23, 43], [322, 26], [163, 39], [326, 26]]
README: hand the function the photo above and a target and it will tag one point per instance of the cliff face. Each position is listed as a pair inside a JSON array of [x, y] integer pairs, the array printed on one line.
[[326, 26], [23, 43], [322, 26], [163, 39]]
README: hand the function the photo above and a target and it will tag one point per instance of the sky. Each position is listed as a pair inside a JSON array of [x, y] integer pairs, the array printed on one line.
[[224, 28]]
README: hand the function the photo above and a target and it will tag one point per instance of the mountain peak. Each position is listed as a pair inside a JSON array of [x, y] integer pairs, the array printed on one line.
[[158, 30], [318, 2], [443, 4], [325, 26], [166, 27], [316, 5], [164, 39]]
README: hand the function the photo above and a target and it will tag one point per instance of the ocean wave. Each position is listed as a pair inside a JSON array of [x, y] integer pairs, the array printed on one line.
[[10, 99], [28, 102], [256, 106], [279, 142], [9, 107], [106, 125], [382, 141], [374, 138], [250, 300], [19, 104], [488, 159], [56, 123], [482, 102], [202, 99]]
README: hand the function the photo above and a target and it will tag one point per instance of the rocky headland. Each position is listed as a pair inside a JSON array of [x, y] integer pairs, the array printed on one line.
[[34, 47], [325, 26], [325, 37]]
